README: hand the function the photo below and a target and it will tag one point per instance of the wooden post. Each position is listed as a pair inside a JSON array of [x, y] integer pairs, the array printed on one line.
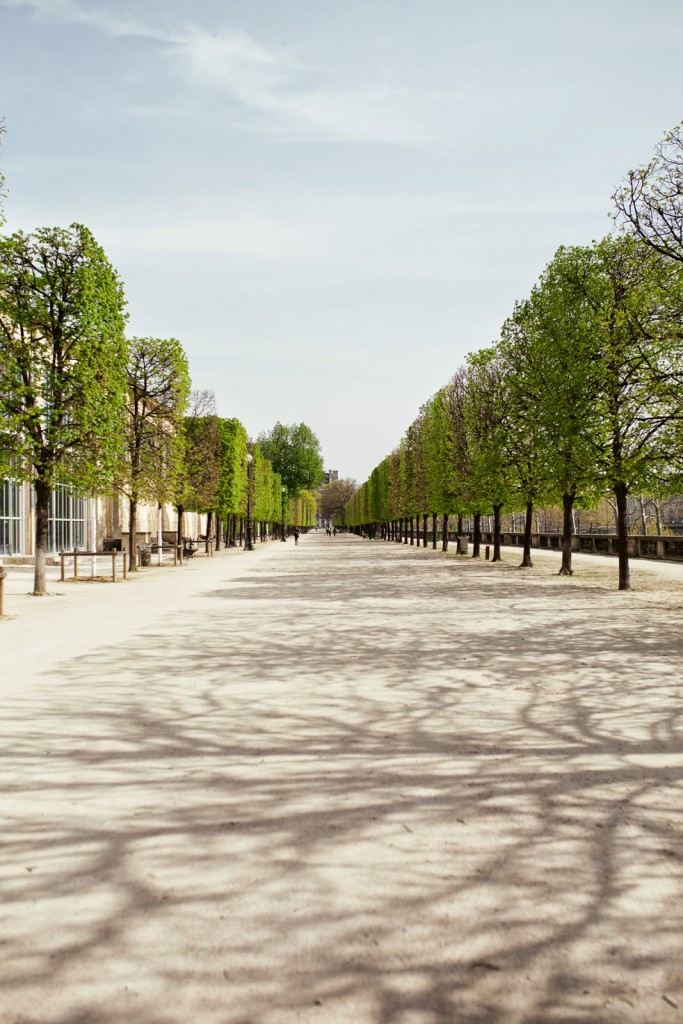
[[125, 565], [75, 564], [113, 566], [62, 556]]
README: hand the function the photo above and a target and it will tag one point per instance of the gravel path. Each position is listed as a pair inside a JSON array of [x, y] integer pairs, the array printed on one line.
[[343, 782]]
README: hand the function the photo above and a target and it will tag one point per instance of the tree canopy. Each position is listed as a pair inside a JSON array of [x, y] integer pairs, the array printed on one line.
[[62, 366], [294, 453]]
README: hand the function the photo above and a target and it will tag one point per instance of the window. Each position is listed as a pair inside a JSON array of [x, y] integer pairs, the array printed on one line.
[[67, 526], [11, 517]]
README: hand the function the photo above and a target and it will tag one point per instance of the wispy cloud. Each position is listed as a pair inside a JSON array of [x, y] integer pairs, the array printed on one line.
[[277, 94], [69, 11]]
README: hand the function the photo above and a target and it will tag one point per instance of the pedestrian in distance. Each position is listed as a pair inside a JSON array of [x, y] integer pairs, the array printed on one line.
[[296, 534]]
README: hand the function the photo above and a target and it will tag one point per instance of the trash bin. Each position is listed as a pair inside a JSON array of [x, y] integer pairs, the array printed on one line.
[[145, 555], [462, 545]]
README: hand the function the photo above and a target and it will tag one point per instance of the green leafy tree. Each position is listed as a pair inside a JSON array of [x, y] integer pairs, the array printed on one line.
[[525, 441], [62, 367], [557, 358], [158, 392], [294, 453], [634, 302], [199, 474], [232, 485], [485, 423]]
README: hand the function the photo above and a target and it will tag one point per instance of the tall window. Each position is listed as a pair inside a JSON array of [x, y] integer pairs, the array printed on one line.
[[11, 517], [67, 526]]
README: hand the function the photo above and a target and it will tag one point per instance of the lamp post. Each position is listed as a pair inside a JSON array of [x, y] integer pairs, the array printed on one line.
[[249, 546], [284, 491]]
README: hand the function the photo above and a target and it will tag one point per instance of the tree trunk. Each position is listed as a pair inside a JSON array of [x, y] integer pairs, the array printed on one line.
[[526, 555], [425, 528], [621, 494], [132, 535], [459, 533], [209, 527], [476, 536], [412, 531], [567, 533], [42, 492], [433, 531], [496, 533], [218, 533], [658, 514], [181, 516], [444, 532]]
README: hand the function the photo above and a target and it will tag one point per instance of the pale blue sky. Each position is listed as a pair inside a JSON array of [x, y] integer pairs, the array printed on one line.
[[330, 202]]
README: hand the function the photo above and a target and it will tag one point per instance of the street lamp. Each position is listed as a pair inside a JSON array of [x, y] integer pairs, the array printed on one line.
[[284, 491], [249, 546]]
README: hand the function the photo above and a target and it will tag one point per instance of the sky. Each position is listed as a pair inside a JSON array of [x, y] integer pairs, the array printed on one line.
[[330, 202]]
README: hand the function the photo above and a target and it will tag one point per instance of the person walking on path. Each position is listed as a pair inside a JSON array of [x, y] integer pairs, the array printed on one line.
[[296, 534]]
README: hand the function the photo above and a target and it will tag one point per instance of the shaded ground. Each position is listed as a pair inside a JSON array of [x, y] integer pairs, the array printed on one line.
[[347, 781]]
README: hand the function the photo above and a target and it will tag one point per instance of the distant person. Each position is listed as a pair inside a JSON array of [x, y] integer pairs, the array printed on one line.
[[334, 532], [296, 534]]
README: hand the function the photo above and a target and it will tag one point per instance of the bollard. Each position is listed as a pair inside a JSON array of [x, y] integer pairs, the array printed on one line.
[[62, 555], [487, 552], [113, 566], [75, 563], [3, 577]]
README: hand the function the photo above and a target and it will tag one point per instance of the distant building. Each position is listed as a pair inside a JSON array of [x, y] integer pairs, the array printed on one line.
[[331, 474]]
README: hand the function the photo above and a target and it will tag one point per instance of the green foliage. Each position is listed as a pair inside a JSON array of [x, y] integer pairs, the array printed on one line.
[[232, 487], [62, 359], [294, 452], [200, 477], [158, 393]]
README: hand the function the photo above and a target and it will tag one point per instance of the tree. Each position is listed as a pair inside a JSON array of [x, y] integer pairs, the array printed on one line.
[[62, 367], [525, 440], [294, 453], [158, 392], [333, 498], [634, 299], [232, 483], [485, 424], [556, 355], [200, 472], [651, 199]]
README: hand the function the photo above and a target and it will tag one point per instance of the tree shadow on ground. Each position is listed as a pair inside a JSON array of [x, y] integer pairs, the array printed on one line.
[[362, 788]]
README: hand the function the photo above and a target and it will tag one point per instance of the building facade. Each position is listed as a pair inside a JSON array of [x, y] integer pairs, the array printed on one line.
[[83, 523]]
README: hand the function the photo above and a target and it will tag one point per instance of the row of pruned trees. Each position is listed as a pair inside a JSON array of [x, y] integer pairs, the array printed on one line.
[[581, 396], [82, 405]]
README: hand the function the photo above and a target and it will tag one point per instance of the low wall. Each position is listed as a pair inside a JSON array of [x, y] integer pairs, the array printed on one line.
[[668, 548]]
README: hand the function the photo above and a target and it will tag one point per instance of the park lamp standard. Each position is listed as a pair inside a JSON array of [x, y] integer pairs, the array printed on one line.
[[282, 534], [249, 545]]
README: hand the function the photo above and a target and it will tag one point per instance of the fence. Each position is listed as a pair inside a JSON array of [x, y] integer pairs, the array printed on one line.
[[107, 556]]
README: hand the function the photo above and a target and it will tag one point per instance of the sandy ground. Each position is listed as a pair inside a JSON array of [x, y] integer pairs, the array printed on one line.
[[345, 782]]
